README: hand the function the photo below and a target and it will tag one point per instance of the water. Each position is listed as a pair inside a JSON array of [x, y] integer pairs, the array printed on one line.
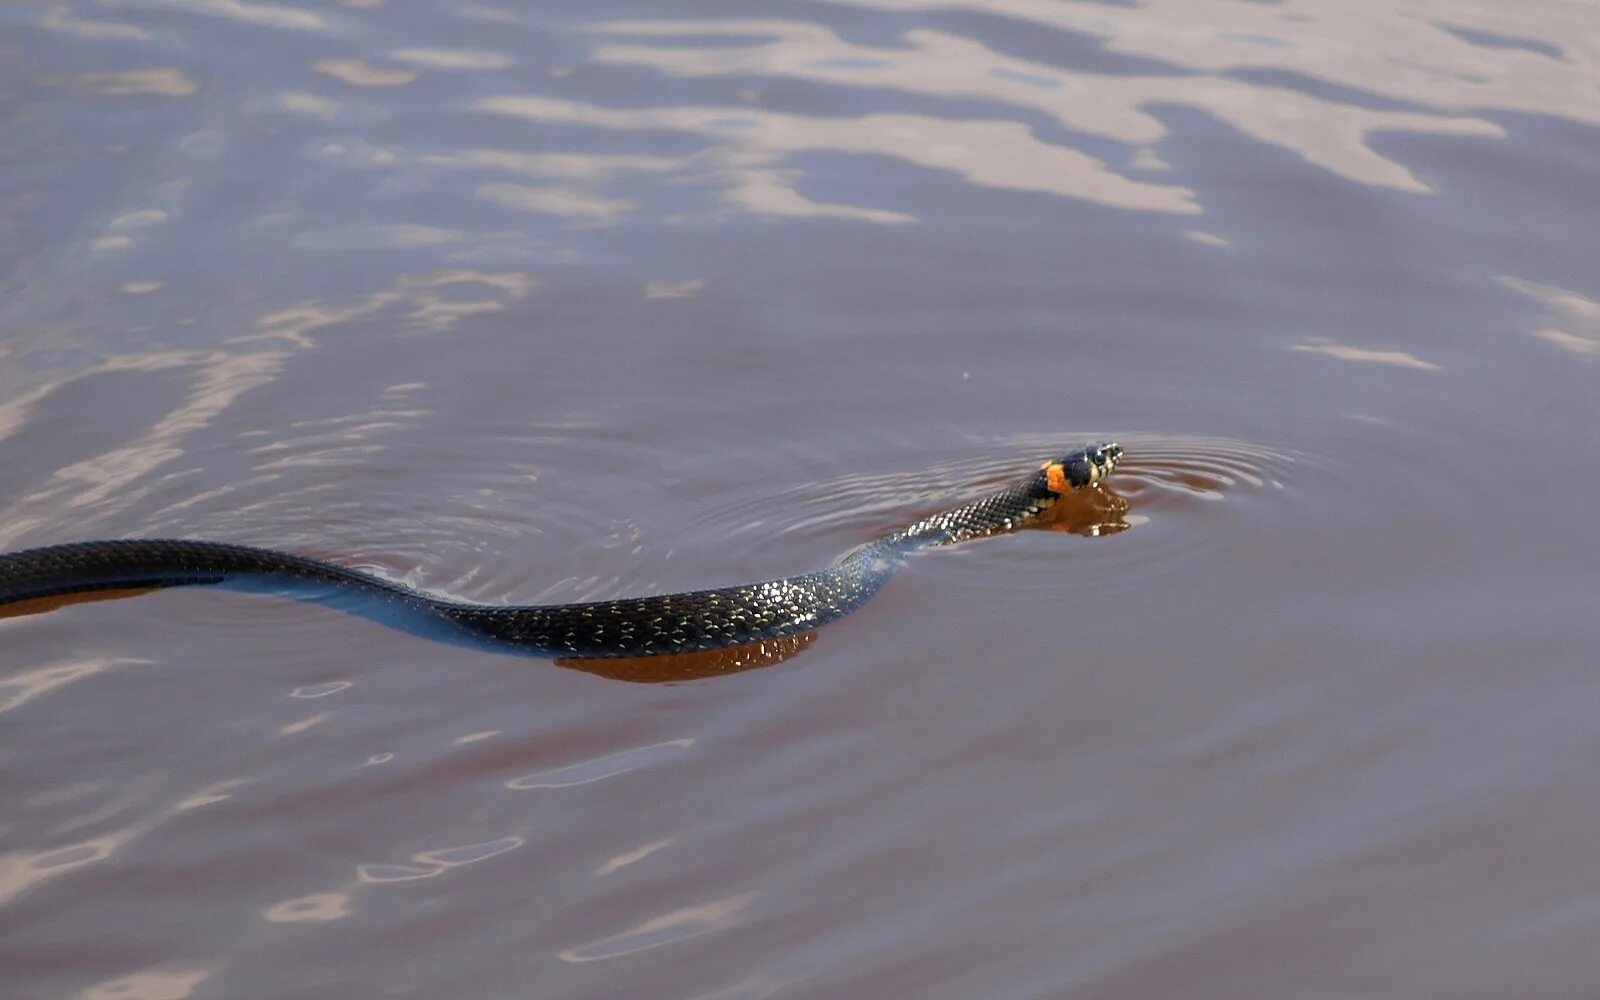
[[566, 301]]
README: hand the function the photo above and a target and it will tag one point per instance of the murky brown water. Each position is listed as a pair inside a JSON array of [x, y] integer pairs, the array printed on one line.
[[561, 301]]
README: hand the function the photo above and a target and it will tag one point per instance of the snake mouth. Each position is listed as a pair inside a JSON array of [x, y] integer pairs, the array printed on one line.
[[1109, 454]]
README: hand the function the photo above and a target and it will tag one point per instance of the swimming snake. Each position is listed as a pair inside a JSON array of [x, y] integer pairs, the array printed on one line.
[[626, 627]]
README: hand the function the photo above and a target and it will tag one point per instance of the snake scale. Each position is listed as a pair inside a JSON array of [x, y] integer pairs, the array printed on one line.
[[627, 627]]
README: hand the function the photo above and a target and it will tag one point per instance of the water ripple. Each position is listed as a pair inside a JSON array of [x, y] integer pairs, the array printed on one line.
[[599, 768], [669, 928]]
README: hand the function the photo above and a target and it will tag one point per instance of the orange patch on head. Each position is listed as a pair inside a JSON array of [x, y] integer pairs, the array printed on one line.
[[1056, 478]]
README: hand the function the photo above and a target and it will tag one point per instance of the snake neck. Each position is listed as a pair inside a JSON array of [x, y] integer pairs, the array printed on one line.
[[998, 512]]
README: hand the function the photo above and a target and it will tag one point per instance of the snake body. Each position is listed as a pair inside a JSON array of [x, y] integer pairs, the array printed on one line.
[[635, 626]]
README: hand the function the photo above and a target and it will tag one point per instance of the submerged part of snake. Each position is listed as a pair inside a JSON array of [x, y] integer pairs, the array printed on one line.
[[635, 626]]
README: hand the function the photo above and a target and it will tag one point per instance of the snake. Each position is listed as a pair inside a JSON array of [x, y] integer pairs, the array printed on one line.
[[626, 627]]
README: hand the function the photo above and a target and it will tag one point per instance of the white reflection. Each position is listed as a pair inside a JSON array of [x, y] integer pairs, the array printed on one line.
[[151, 984], [61, 19], [1577, 316], [673, 290], [299, 102], [1327, 133], [669, 928], [19, 689], [262, 14], [210, 795], [452, 59], [598, 768], [467, 854], [1409, 50], [321, 690], [139, 220], [423, 302], [630, 857], [566, 166], [156, 81], [359, 73], [432, 863], [772, 192], [23, 871], [430, 302], [338, 903], [751, 143], [379, 874], [295, 728], [391, 236], [317, 908], [1347, 352], [1570, 341], [554, 200], [220, 379]]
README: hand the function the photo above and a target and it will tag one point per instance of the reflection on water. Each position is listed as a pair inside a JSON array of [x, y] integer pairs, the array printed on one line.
[[668, 928], [1329, 133], [1346, 352], [1578, 316], [751, 143], [155, 984], [600, 768], [670, 668], [19, 688], [545, 303]]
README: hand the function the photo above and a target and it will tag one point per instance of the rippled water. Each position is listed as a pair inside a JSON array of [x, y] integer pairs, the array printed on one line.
[[560, 301]]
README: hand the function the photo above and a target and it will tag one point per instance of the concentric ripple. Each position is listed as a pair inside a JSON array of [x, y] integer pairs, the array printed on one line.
[[1199, 468], [1177, 498], [1162, 474]]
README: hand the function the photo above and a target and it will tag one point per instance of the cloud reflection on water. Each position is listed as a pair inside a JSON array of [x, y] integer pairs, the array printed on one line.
[[1329, 133], [749, 144]]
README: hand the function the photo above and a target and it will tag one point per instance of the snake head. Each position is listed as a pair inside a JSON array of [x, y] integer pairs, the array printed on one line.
[[1084, 467]]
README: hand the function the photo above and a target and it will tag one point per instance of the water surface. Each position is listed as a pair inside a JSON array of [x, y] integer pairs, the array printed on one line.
[[553, 302]]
